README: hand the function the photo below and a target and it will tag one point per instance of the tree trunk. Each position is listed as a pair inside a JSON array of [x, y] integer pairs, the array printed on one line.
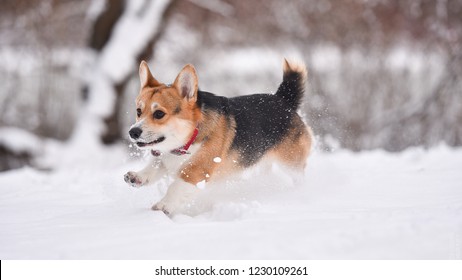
[[105, 36]]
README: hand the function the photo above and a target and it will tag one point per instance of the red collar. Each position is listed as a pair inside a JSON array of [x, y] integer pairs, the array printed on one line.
[[182, 150]]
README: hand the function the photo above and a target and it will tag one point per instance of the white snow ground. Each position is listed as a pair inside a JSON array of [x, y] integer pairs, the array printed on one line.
[[370, 205]]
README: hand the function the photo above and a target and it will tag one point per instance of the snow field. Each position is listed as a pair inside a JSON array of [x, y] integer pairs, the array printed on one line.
[[370, 205]]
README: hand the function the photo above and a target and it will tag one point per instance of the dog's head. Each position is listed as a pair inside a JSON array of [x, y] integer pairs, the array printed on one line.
[[166, 115]]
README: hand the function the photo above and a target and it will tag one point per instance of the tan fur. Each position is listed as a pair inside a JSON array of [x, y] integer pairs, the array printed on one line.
[[214, 134], [216, 139], [169, 101], [296, 147], [146, 78]]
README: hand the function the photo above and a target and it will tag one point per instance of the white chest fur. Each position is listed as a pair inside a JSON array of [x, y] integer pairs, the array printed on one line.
[[173, 162]]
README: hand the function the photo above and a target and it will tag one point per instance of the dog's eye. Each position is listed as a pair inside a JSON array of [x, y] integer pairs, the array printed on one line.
[[158, 114], [138, 112]]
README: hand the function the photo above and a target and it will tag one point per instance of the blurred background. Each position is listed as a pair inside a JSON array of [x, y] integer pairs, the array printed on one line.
[[383, 74]]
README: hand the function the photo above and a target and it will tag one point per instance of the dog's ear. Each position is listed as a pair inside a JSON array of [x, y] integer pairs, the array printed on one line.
[[146, 78], [186, 83]]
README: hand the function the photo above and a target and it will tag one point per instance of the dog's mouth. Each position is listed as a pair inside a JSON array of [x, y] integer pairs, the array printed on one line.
[[143, 144]]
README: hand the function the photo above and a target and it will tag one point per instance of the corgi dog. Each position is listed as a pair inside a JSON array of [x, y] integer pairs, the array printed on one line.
[[200, 137]]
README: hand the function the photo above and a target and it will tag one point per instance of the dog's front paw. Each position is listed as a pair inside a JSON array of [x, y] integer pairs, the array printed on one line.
[[133, 179]]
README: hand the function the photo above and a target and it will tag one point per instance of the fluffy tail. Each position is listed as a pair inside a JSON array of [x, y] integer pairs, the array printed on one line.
[[293, 84]]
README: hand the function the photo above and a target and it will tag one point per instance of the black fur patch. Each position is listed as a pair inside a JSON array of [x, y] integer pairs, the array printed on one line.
[[262, 121], [209, 101], [291, 89]]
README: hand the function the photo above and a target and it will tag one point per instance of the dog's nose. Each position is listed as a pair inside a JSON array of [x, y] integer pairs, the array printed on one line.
[[135, 133]]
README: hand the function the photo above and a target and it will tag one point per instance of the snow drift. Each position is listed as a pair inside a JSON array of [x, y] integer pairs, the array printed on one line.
[[370, 205]]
